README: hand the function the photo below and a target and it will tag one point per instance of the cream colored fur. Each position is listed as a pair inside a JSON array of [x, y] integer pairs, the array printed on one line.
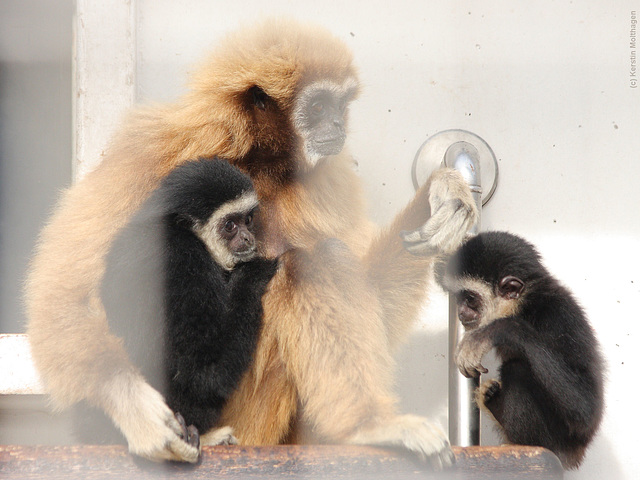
[[145, 420], [334, 312]]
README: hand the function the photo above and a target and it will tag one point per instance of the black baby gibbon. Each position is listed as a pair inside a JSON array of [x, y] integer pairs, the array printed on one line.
[[550, 391], [183, 288]]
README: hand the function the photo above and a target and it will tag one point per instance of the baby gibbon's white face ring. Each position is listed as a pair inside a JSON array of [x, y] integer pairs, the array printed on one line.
[[478, 305], [219, 237]]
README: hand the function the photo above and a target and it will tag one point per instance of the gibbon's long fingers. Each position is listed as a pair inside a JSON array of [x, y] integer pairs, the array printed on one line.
[[151, 428], [454, 213], [413, 433], [193, 436], [468, 356], [219, 436], [443, 232], [189, 433], [470, 370], [183, 425]]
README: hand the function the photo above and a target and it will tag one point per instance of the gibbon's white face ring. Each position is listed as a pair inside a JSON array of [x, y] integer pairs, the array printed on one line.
[[208, 232], [314, 151]]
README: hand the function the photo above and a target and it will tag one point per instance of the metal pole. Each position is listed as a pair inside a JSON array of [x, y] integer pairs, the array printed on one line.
[[466, 152], [464, 416]]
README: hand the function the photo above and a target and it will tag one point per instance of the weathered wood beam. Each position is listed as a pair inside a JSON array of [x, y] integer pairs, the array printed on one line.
[[291, 462]]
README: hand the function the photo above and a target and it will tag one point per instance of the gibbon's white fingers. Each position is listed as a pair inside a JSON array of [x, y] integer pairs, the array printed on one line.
[[454, 213], [456, 219], [443, 232], [219, 436], [413, 433], [147, 422]]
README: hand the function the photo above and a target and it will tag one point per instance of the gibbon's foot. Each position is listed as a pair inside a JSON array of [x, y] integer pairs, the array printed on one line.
[[488, 391], [189, 434], [415, 434], [150, 427], [453, 213], [219, 436]]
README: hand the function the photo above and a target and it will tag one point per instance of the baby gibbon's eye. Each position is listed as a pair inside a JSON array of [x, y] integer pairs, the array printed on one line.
[[230, 226], [472, 300]]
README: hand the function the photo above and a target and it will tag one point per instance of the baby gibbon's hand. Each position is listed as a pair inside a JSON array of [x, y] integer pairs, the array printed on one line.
[[469, 353]]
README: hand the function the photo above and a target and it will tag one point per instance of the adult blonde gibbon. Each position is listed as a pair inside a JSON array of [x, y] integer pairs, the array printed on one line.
[[272, 101]]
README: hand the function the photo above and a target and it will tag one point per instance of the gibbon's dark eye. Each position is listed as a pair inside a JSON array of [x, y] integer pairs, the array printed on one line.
[[472, 300], [258, 97], [230, 226], [317, 108], [248, 221]]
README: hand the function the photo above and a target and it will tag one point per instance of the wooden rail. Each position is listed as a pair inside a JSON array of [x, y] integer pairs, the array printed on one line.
[[286, 462]]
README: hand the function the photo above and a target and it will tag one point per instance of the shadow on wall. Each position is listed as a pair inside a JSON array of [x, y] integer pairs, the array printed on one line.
[[421, 379]]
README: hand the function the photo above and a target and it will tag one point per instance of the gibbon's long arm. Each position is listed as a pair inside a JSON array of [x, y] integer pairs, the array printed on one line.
[[399, 276], [72, 348]]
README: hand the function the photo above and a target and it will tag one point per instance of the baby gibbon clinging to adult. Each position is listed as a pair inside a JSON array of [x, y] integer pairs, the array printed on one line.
[[273, 101], [183, 288]]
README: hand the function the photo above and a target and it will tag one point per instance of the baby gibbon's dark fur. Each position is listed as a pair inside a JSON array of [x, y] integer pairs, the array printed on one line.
[[188, 324], [550, 391]]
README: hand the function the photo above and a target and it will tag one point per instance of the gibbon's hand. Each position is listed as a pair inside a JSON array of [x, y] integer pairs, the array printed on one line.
[[469, 352], [189, 433], [150, 427], [488, 391], [453, 213], [219, 436]]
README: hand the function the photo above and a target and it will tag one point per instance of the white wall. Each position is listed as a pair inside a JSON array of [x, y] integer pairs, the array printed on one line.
[[547, 85], [35, 134]]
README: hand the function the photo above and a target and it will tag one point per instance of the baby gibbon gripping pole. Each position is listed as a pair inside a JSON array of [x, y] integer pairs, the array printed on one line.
[[469, 154]]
